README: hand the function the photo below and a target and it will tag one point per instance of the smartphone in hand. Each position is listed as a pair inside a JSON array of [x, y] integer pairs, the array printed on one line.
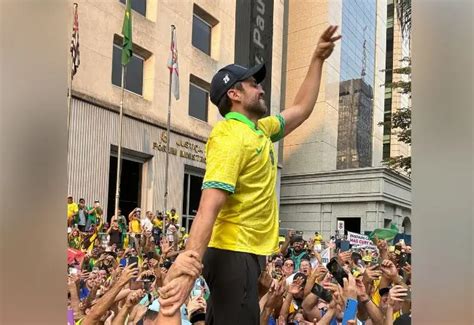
[[337, 271], [322, 293]]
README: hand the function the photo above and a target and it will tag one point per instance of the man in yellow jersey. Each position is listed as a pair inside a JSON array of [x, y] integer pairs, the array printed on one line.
[[237, 219]]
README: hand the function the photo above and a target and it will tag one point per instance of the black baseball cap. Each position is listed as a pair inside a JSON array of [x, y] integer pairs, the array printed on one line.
[[226, 77]]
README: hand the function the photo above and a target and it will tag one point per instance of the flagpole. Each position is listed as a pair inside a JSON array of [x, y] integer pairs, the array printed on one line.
[[69, 100], [119, 154], [168, 135]]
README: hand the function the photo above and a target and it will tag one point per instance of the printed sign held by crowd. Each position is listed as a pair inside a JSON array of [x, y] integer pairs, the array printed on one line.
[[358, 239], [325, 256]]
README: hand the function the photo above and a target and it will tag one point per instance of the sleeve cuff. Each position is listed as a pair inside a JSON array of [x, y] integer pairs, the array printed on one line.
[[220, 185], [278, 136]]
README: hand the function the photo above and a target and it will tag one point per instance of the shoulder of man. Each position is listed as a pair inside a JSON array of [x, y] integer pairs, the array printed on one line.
[[273, 126], [226, 127]]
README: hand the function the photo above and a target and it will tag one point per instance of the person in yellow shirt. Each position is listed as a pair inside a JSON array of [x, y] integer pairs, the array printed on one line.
[[72, 210], [172, 215], [236, 224], [134, 227], [318, 239]]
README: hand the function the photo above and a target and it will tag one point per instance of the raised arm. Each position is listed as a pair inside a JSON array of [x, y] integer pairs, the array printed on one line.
[[307, 95], [284, 247], [108, 299]]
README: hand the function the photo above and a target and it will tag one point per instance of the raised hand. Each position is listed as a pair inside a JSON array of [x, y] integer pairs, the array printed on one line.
[[350, 288], [371, 273], [165, 246], [127, 274], [389, 270], [397, 293], [275, 294], [72, 279], [134, 297], [174, 294], [264, 281], [187, 263], [344, 257], [326, 43], [320, 272], [296, 286], [196, 304]]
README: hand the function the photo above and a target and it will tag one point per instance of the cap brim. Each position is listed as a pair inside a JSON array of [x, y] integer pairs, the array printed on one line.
[[258, 72]]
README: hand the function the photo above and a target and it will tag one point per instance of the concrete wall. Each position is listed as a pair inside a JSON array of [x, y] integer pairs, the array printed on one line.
[[313, 202]]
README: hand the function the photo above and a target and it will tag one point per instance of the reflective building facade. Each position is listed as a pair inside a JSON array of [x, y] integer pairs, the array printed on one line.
[[354, 142], [332, 164]]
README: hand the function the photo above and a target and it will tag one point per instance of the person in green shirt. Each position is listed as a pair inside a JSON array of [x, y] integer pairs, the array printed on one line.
[[92, 218]]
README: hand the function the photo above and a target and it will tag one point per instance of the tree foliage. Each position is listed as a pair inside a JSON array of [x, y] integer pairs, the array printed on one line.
[[400, 123]]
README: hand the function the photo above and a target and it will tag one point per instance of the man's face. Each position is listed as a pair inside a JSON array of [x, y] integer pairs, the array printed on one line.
[[82, 203], [252, 98], [298, 246], [69, 200], [288, 267], [305, 267]]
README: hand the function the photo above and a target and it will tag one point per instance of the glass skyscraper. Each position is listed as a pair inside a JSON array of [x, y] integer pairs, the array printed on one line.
[[357, 74]]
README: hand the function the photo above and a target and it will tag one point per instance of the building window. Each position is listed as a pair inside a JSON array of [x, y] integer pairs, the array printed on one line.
[[202, 29], [201, 35], [134, 71], [138, 6], [191, 194], [198, 98]]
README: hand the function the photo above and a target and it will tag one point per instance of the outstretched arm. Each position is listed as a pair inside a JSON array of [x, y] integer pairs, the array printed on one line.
[[307, 95]]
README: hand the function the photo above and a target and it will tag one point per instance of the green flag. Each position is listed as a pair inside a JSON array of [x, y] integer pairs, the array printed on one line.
[[384, 233], [127, 34]]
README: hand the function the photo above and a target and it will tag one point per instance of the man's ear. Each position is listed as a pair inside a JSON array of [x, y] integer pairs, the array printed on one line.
[[233, 94]]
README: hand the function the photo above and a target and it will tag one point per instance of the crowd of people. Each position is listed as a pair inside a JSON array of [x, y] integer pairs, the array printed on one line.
[[116, 272]]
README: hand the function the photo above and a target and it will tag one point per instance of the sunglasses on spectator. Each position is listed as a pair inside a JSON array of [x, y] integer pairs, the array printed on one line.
[[289, 264]]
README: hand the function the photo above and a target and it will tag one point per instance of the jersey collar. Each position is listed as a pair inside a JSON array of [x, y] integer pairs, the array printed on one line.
[[244, 119]]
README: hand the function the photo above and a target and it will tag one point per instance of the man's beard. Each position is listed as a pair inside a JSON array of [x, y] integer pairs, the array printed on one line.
[[258, 108]]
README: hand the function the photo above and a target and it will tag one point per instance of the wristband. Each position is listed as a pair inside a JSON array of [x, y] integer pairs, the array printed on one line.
[[196, 317]]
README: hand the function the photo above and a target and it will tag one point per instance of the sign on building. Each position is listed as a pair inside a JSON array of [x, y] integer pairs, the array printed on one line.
[[340, 226], [254, 37]]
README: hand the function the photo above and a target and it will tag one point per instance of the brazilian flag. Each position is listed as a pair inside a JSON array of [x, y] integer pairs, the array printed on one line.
[[127, 34]]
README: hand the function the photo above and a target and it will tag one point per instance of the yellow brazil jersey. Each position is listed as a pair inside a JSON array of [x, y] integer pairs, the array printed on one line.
[[72, 209], [376, 299], [175, 217], [318, 239], [157, 223], [135, 226], [240, 159]]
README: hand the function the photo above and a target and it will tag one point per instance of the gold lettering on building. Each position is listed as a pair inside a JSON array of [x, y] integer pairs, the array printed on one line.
[[194, 152]]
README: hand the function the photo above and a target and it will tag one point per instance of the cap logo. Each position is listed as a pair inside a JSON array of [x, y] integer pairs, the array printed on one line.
[[226, 78]]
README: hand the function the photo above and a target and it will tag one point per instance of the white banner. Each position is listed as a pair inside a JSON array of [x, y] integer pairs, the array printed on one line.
[[358, 239], [325, 256]]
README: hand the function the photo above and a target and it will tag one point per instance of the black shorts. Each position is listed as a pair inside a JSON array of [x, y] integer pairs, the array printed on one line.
[[232, 278]]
